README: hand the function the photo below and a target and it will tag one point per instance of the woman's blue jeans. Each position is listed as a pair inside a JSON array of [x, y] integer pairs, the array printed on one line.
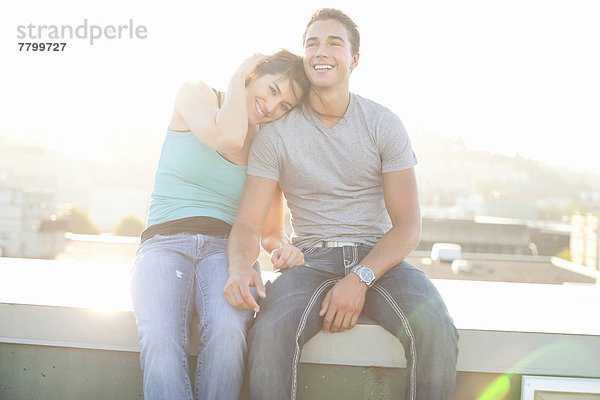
[[173, 277], [404, 301]]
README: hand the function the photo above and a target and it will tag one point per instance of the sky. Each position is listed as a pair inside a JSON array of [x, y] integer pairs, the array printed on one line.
[[512, 77]]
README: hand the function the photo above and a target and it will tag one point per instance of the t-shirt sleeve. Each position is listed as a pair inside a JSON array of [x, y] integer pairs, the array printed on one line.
[[263, 159], [394, 145]]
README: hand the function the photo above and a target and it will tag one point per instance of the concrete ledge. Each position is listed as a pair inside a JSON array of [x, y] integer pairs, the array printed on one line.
[[365, 345], [507, 329], [479, 351]]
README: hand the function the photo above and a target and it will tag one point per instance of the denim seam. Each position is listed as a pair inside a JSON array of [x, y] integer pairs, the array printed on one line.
[[202, 338], [201, 245], [408, 330], [348, 266], [301, 325], [186, 339]]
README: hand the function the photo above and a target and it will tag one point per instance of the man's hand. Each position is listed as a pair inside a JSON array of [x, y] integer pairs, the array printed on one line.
[[343, 304], [286, 256], [237, 289]]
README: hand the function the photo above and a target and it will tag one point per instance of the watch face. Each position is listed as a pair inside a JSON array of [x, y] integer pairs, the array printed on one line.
[[367, 275]]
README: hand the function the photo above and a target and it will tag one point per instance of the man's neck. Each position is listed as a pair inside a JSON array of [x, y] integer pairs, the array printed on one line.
[[329, 105]]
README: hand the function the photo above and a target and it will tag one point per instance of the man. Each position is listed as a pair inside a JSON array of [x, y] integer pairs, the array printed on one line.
[[345, 165]]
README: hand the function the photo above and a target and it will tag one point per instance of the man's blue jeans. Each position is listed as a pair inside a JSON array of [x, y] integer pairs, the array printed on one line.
[[404, 301], [173, 277]]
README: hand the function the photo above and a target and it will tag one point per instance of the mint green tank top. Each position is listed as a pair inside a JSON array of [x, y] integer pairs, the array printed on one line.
[[194, 180]]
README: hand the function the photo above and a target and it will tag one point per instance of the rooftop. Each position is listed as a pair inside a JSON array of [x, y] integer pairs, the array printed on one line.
[[506, 268]]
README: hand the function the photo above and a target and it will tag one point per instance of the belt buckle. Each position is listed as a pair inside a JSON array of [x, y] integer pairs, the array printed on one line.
[[336, 243]]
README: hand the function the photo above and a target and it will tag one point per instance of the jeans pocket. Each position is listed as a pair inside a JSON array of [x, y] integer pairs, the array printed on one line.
[[213, 245], [324, 259], [151, 244], [308, 250]]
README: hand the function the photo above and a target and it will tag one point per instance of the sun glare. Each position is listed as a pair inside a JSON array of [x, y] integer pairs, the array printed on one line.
[[100, 286]]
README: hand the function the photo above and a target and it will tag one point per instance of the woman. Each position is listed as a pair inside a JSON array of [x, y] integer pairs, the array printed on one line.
[[181, 264]]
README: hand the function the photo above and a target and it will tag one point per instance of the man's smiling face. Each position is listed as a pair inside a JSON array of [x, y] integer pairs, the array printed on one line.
[[328, 58]]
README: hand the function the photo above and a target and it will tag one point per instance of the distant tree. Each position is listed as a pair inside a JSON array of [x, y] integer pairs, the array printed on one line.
[[130, 225], [80, 222], [565, 254]]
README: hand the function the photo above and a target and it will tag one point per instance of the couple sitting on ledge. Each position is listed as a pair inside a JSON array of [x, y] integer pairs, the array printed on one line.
[[346, 168]]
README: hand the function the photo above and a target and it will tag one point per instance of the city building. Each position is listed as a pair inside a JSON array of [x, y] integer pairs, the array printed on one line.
[[585, 240], [496, 235], [29, 227]]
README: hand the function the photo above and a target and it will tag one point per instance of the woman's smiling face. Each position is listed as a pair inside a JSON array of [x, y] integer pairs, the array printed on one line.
[[269, 97]]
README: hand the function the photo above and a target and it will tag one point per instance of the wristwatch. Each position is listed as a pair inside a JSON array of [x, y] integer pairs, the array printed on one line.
[[365, 274]]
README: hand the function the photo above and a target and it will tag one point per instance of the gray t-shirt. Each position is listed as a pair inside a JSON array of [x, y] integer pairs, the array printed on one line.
[[332, 178]]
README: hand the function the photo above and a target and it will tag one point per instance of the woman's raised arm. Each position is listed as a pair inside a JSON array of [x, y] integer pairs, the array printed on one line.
[[224, 129]]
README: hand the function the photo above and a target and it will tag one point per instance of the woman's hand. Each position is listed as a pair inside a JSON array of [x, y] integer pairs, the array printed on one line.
[[286, 256], [249, 65]]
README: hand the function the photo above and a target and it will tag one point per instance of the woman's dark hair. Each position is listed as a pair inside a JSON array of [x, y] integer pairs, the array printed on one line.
[[331, 13], [287, 64]]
